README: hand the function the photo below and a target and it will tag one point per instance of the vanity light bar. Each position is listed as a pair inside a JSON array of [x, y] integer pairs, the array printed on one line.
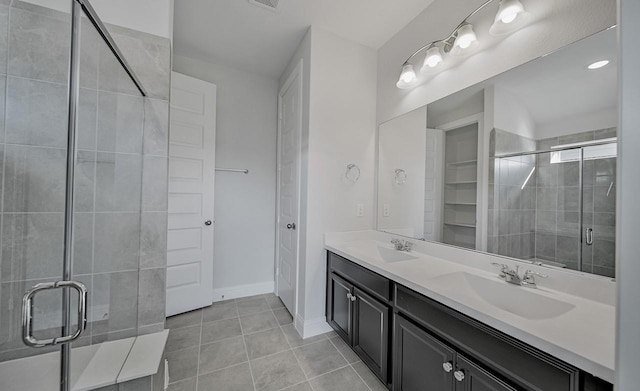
[[510, 16]]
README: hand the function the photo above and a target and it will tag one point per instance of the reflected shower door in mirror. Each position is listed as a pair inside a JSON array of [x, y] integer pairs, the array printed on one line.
[[521, 165], [557, 207]]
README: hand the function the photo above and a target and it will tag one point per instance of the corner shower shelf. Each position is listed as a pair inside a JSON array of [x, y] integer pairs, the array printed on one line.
[[463, 163], [462, 183], [464, 245], [465, 225]]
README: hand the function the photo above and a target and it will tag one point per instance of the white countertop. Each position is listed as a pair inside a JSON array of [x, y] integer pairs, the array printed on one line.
[[583, 337]]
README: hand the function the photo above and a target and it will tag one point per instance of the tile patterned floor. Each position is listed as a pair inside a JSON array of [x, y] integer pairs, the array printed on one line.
[[250, 344]]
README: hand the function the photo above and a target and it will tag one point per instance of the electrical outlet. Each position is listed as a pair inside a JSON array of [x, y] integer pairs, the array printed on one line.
[[360, 210], [385, 210]]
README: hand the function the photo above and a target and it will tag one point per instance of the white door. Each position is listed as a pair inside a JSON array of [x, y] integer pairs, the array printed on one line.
[[289, 129], [191, 182]]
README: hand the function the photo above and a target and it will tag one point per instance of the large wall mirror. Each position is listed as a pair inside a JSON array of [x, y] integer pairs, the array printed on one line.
[[521, 165]]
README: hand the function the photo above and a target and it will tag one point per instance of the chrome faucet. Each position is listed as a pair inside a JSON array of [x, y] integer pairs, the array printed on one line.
[[402, 245], [511, 276]]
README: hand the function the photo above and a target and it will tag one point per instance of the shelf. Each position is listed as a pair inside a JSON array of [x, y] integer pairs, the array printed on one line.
[[471, 246], [465, 225], [463, 163], [461, 203], [461, 183]]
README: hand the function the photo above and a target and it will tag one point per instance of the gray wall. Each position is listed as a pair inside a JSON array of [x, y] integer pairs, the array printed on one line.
[[628, 267], [120, 209]]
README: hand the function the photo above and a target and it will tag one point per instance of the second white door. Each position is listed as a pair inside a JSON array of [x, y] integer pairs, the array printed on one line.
[[191, 186], [289, 129]]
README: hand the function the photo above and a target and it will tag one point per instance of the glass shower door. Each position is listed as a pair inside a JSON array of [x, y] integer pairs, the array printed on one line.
[[599, 209], [34, 77], [108, 186], [106, 173]]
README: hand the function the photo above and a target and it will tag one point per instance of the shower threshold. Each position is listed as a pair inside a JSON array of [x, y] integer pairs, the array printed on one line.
[[92, 366]]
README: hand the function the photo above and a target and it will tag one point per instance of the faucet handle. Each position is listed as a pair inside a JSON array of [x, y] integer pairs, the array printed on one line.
[[531, 273], [529, 278], [503, 268]]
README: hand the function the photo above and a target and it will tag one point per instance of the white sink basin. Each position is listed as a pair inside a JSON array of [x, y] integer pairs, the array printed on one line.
[[521, 301], [381, 252]]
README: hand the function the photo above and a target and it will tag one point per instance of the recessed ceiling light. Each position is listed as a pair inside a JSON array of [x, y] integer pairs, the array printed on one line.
[[598, 64]]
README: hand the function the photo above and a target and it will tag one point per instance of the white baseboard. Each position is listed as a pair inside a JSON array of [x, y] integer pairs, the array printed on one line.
[[311, 328], [238, 291]]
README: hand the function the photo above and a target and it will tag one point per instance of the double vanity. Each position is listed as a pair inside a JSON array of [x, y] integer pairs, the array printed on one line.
[[425, 316]]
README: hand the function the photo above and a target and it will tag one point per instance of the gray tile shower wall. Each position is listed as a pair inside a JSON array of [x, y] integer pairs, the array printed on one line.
[[512, 203], [557, 217], [121, 175]]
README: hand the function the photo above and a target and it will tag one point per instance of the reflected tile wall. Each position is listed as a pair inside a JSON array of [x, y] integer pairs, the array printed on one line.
[[558, 231], [512, 203], [119, 252]]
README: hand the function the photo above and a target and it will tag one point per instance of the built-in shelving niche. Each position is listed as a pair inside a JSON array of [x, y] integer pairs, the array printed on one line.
[[461, 186]]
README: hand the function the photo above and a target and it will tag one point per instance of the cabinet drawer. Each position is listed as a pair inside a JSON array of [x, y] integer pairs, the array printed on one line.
[[365, 279], [519, 363]]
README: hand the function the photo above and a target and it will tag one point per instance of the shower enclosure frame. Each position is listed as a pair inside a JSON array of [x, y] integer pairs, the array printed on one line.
[[580, 148], [78, 8]]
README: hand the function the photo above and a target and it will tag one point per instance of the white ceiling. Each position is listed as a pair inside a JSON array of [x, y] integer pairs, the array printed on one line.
[[557, 86], [241, 35]]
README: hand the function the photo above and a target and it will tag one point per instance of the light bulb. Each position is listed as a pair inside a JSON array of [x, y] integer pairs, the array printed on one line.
[[407, 76], [598, 64], [510, 16], [432, 58], [464, 39]]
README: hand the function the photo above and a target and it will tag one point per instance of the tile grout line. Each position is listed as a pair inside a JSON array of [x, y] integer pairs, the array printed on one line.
[[295, 356], [246, 351], [350, 363], [199, 349], [361, 378], [327, 373]]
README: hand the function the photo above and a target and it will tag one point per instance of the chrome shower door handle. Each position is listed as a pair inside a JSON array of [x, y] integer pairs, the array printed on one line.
[[588, 234], [27, 313]]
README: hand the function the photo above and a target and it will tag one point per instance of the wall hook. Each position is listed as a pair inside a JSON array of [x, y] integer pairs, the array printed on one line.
[[353, 173]]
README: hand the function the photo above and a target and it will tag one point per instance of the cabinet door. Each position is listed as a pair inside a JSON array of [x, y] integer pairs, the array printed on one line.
[[371, 333], [339, 313], [470, 377], [421, 363]]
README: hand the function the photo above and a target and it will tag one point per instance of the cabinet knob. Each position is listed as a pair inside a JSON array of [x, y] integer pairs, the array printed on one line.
[[459, 375], [447, 366], [351, 297]]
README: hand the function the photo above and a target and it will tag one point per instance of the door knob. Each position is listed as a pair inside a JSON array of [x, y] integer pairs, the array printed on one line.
[[208, 222], [291, 226]]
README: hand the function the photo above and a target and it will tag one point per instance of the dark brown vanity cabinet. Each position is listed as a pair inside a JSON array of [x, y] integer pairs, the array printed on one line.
[[360, 315], [340, 315], [424, 363], [414, 343]]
